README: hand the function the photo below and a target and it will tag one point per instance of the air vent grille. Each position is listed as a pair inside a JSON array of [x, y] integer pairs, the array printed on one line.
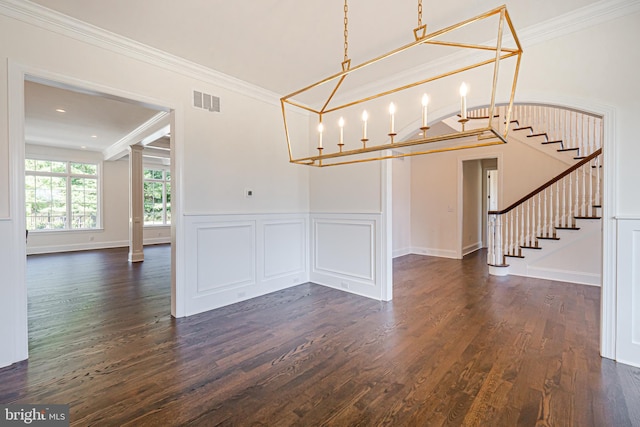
[[206, 101]]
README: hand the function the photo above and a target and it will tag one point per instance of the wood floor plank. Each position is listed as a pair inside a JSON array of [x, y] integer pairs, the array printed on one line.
[[456, 346]]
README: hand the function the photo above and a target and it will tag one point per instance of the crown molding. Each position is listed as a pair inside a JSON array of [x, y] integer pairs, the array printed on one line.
[[144, 134], [576, 20], [42, 17], [579, 19]]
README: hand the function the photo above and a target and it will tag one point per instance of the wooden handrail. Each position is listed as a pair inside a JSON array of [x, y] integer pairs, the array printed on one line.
[[549, 183]]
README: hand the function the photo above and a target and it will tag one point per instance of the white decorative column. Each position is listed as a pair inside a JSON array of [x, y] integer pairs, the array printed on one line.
[[136, 208]]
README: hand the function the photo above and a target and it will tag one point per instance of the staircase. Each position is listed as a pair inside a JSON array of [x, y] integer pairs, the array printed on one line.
[[524, 237]]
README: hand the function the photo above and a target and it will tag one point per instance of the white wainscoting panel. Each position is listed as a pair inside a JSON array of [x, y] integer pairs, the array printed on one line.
[[346, 253], [345, 248], [628, 323], [231, 258], [226, 256], [285, 248]]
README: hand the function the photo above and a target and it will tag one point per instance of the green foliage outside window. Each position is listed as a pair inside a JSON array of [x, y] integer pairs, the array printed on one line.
[[157, 197]]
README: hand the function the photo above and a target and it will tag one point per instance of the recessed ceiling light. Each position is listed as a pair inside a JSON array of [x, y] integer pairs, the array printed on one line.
[[84, 147], [94, 136], [61, 110]]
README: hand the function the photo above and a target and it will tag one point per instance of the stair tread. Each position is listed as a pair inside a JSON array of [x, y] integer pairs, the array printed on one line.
[[524, 128], [531, 247], [547, 238], [514, 256], [567, 228], [559, 141], [568, 149], [498, 265], [596, 206], [533, 135], [587, 217]]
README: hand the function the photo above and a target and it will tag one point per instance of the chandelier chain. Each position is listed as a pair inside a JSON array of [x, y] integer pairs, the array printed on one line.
[[346, 31], [419, 13]]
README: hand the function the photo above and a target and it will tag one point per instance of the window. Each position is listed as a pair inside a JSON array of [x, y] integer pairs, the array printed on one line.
[[61, 195], [157, 197]]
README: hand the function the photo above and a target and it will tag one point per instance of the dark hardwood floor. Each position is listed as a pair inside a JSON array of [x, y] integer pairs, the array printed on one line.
[[455, 347]]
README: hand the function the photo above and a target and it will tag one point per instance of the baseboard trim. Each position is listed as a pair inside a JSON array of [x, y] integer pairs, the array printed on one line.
[[471, 248], [401, 252], [576, 277], [40, 250], [441, 253]]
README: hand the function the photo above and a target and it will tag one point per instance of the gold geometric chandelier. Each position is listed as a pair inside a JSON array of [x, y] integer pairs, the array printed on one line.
[[354, 122]]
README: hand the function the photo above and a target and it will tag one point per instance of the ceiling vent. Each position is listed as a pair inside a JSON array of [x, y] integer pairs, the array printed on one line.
[[206, 102]]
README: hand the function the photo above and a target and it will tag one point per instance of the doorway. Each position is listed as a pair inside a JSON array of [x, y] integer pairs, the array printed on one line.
[[479, 188], [19, 76]]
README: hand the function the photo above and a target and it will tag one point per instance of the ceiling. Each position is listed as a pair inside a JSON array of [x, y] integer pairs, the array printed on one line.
[[70, 119], [283, 45], [279, 45]]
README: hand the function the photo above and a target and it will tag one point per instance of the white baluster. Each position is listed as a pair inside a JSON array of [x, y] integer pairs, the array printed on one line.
[[555, 219], [569, 200], [491, 250], [598, 181], [523, 230], [499, 257], [517, 236], [576, 211], [584, 190], [506, 233], [526, 207], [591, 201], [546, 230], [539, 228], [564, 202]]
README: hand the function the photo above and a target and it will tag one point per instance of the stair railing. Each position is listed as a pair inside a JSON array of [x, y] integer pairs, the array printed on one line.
[[574, 130], [574, 193]]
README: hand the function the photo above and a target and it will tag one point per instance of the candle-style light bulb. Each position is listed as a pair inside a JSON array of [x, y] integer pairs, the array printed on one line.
[[425, 103], [341, 124], [463, 101], [320, 130], [365, 117], [392, 112]]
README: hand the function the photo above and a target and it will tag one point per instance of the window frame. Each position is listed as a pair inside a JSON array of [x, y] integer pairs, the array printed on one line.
[[68, 175]]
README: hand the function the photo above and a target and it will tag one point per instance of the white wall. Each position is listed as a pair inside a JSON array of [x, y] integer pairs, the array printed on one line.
[[472, 206], [401, 182], [216, 156]]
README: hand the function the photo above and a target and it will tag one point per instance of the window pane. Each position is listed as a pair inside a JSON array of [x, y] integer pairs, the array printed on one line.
[[46, 202], [168, 207], [42, 165], [152, 195], [168, 175], [84, 169], [47, 195], [59, 167], [153, 174], [84, 202]]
